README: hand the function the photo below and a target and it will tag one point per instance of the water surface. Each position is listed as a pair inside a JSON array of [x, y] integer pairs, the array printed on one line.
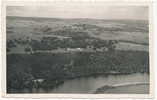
[[91, 84]]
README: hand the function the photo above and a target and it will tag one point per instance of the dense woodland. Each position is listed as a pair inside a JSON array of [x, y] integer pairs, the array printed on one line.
[[59, 67]]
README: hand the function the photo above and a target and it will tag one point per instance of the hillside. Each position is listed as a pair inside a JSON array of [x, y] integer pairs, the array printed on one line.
[[130, 34]]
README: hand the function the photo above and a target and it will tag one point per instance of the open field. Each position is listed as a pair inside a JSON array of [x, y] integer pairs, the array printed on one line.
[[35, 28]]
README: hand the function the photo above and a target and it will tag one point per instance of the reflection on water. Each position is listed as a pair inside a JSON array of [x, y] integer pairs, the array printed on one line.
[[91, 84]]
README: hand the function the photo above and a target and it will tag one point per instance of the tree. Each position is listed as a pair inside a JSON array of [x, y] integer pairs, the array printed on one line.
[[28, 50], [8, 49], [11, 44]]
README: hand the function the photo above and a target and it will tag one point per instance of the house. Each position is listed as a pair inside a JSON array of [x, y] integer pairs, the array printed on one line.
[[74, 49], [102, 49], [38, 80]]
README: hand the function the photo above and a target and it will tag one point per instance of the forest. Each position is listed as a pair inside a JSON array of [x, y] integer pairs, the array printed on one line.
[[55, 68]]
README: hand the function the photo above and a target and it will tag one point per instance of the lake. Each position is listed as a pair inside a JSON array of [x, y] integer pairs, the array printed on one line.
[[91, 84]]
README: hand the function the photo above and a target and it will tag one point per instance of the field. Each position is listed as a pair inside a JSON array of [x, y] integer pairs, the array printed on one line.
[[59, 49]]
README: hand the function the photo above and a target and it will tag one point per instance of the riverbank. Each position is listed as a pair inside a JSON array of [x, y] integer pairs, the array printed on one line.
[[121, 83], [125, 88], [49, 85], [94, 75]]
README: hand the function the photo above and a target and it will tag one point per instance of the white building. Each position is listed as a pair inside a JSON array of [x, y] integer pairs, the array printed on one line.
[[74, 49]]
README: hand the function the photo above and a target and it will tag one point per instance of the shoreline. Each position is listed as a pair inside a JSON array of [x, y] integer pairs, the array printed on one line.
[[76, 77], [104, 88]]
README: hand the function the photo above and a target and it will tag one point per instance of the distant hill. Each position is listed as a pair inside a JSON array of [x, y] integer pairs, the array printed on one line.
[[78, 19]]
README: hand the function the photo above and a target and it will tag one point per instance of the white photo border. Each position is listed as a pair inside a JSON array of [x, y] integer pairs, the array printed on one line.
[[50, 95]]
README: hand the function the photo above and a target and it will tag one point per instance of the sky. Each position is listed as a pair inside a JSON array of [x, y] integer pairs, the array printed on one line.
[[95, 11]]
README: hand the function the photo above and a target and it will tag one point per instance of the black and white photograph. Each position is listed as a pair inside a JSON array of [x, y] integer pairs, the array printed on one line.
[[77, 48]]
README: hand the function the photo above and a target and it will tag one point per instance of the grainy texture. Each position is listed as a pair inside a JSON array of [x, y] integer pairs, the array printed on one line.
[[43, 54]]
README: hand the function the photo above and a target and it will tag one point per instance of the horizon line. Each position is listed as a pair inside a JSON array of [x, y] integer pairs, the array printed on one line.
[[74, 18]]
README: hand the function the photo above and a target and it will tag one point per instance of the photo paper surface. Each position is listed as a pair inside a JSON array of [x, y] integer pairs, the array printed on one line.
[[73, 49]]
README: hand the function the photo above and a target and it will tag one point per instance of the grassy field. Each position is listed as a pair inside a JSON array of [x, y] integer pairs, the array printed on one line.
[[132, 30]]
